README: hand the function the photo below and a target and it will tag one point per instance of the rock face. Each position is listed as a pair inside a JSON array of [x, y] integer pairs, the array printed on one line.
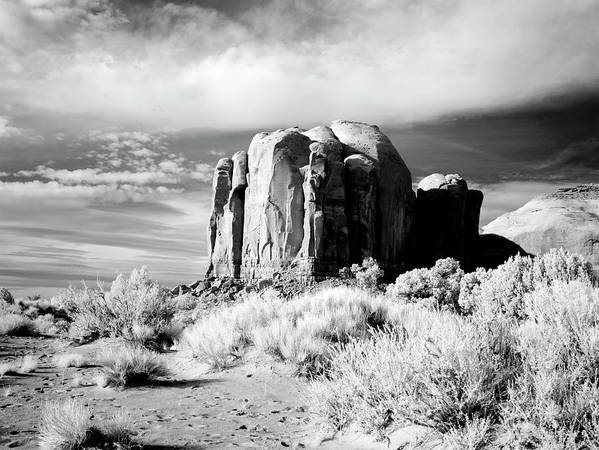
[[218, 235], [311, 201], [306, 203], [447, 220], [567, 218]]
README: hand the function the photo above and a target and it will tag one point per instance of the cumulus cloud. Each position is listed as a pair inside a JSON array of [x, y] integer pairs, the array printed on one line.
[[282, 62], [7, 130]]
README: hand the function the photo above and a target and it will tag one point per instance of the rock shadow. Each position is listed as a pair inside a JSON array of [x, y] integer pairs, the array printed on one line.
[[494, 250], [182, 383]]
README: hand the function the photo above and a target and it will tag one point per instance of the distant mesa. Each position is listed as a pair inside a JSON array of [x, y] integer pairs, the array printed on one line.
[[568, 218], [309, 202]]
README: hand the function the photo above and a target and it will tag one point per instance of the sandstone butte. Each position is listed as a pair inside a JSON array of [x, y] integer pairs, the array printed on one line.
[[309, 202]]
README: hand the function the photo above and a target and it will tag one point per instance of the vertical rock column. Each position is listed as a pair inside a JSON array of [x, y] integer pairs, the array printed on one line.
[[447, 220], [361, 206], [330, 251], [234, 212], [274, 204], [218, 254], [394, 195]]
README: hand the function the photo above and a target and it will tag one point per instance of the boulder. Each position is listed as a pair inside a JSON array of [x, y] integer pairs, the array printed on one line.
[[566, 218], [447, 220]]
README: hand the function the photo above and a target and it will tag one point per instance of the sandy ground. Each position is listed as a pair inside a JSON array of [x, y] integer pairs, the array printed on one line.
[[258, 404]]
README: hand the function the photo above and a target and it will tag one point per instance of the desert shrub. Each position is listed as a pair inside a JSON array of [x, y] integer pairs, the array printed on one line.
[[367, 275], [556, 396], [9, 368], [504, 288], [29, 363], [65, 360], [435, 368], [129, 366], [67, 425], [26, 364], [438, 286], [6, 296], [218, 337], [299, 330], [135, 308], [16, 325]]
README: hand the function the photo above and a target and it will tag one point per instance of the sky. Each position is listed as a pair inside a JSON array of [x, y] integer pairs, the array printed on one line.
[[113, 113]]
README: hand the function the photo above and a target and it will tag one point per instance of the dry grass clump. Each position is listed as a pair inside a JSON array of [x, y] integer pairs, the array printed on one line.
[[16, 325], [27, 317], [135, 308], [130, 366], [65, 360], [519, 370], [300, 330], [26, 364], [67, 426]]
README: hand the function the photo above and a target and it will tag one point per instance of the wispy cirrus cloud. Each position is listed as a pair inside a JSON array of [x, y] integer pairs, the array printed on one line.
[[68, 224]]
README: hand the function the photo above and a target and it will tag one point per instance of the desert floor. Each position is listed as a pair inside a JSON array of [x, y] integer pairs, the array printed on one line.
[[257, 404]]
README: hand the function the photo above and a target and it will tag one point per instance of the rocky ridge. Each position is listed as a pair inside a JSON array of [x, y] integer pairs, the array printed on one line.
[[567, 218]]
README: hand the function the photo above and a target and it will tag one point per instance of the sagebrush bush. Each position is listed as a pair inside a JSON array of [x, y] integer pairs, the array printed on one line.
[[367, 274], [135, 308], [65, 360], [16, 325], [67, 425], [130, 365], [557, 392], [505, 287], [436, 369], [516, 365], [438, 286], [298, 330]]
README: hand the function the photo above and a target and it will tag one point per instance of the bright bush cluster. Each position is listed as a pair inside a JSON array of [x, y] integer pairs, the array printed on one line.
[[300, 330], [438, 286], [513, 362], [136, 308], [366, 275]]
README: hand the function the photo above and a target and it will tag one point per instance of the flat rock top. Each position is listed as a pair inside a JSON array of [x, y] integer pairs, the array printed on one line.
[[580, 192]]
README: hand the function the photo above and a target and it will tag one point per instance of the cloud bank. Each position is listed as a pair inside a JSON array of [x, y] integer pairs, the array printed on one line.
[[182, 65]]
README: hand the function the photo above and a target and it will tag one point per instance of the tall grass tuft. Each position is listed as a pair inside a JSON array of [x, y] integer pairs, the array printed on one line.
[[16, 325], [67, 425], [130, 366], [300, 330]]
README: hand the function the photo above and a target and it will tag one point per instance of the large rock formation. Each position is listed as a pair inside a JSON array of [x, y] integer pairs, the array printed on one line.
[[568, 218], [315, 201], [307, 203], [447, 221]]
